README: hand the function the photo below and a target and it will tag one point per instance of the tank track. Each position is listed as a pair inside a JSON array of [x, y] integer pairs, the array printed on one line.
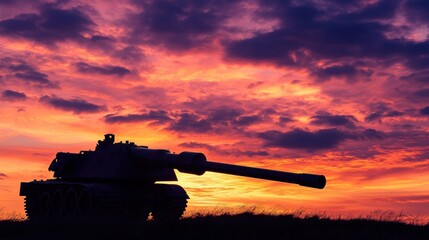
[[55, 200]]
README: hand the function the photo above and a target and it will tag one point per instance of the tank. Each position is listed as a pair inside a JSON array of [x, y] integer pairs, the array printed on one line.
[[120, 180]]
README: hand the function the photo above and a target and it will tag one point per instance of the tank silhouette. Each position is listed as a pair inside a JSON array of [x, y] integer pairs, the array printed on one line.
[[119, 179]]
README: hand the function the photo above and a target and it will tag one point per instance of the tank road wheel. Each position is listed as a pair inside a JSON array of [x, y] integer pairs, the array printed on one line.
[[169, 209], [30, 206], [85, 203], [45, 205], [57, 203], [71, 203]]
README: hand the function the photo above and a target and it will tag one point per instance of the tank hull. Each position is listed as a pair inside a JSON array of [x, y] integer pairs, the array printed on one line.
[[58, 199]]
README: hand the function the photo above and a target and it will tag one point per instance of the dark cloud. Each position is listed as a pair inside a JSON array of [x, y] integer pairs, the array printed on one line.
[[380, 110], [10, 95], [349, 72], [76, 106], [248, 120], [26, 73], [224, 151], [218, 120], [378, 116], [179, 25], [317, 140], [2, 176], [417, 10], [158, 116], [301, 139], [103, 70], [130, 54], [6, 2], [421, 157], [189, 122], [285, 119], [334, 120], [52, 24], [224, 114], [373, 117], [36, 79], [224, 117], [422, 93], [419, 77], [368, 134], [425, 111], [383, 9], [308, 33], [270, 47]]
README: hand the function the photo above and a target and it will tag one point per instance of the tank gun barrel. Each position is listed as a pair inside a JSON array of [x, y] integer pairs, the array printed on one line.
[[196, 163], [303, 179]]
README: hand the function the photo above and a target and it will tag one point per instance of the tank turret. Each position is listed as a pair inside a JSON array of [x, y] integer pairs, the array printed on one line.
[[119, 179]]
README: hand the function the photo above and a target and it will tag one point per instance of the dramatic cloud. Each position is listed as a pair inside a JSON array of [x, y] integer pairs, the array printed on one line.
[[425, 111], [10, 95], [2, 176], [26, 73], [76, 106], [380, 110], [189, 122], [50, 25], [179, 25], [317, 140], [334, 120], [35, 78], [417, 11], [421, 77], [422, 93], [308, 34], [213, 120], [378, 116], [301, 139], [348, 72], [234, 151], [159, 117], [103, 70]]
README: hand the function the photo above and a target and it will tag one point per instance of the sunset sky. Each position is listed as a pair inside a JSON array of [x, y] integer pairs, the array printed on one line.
[[339, 88]]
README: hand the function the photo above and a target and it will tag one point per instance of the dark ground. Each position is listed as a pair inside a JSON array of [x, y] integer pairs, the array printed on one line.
[[237, 227]]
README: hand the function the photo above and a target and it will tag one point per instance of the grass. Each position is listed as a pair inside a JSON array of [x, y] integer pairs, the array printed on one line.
[[245, 225]]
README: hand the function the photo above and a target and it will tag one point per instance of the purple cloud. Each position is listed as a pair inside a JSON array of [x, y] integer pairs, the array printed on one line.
[[52, 24], [308, 33], [26, 73], [349, 72], [234, 151], [189, 122], [158, 116], [103, 70], [417, 10], [334, 120], [77, 106], [10, 95], [301, 139], [425, 111], [179, 25]]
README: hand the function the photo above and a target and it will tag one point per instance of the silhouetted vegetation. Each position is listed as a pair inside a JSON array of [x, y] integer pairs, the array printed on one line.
[[241, 226]]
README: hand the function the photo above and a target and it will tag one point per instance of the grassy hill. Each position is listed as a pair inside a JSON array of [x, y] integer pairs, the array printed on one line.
[[236, 227]]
